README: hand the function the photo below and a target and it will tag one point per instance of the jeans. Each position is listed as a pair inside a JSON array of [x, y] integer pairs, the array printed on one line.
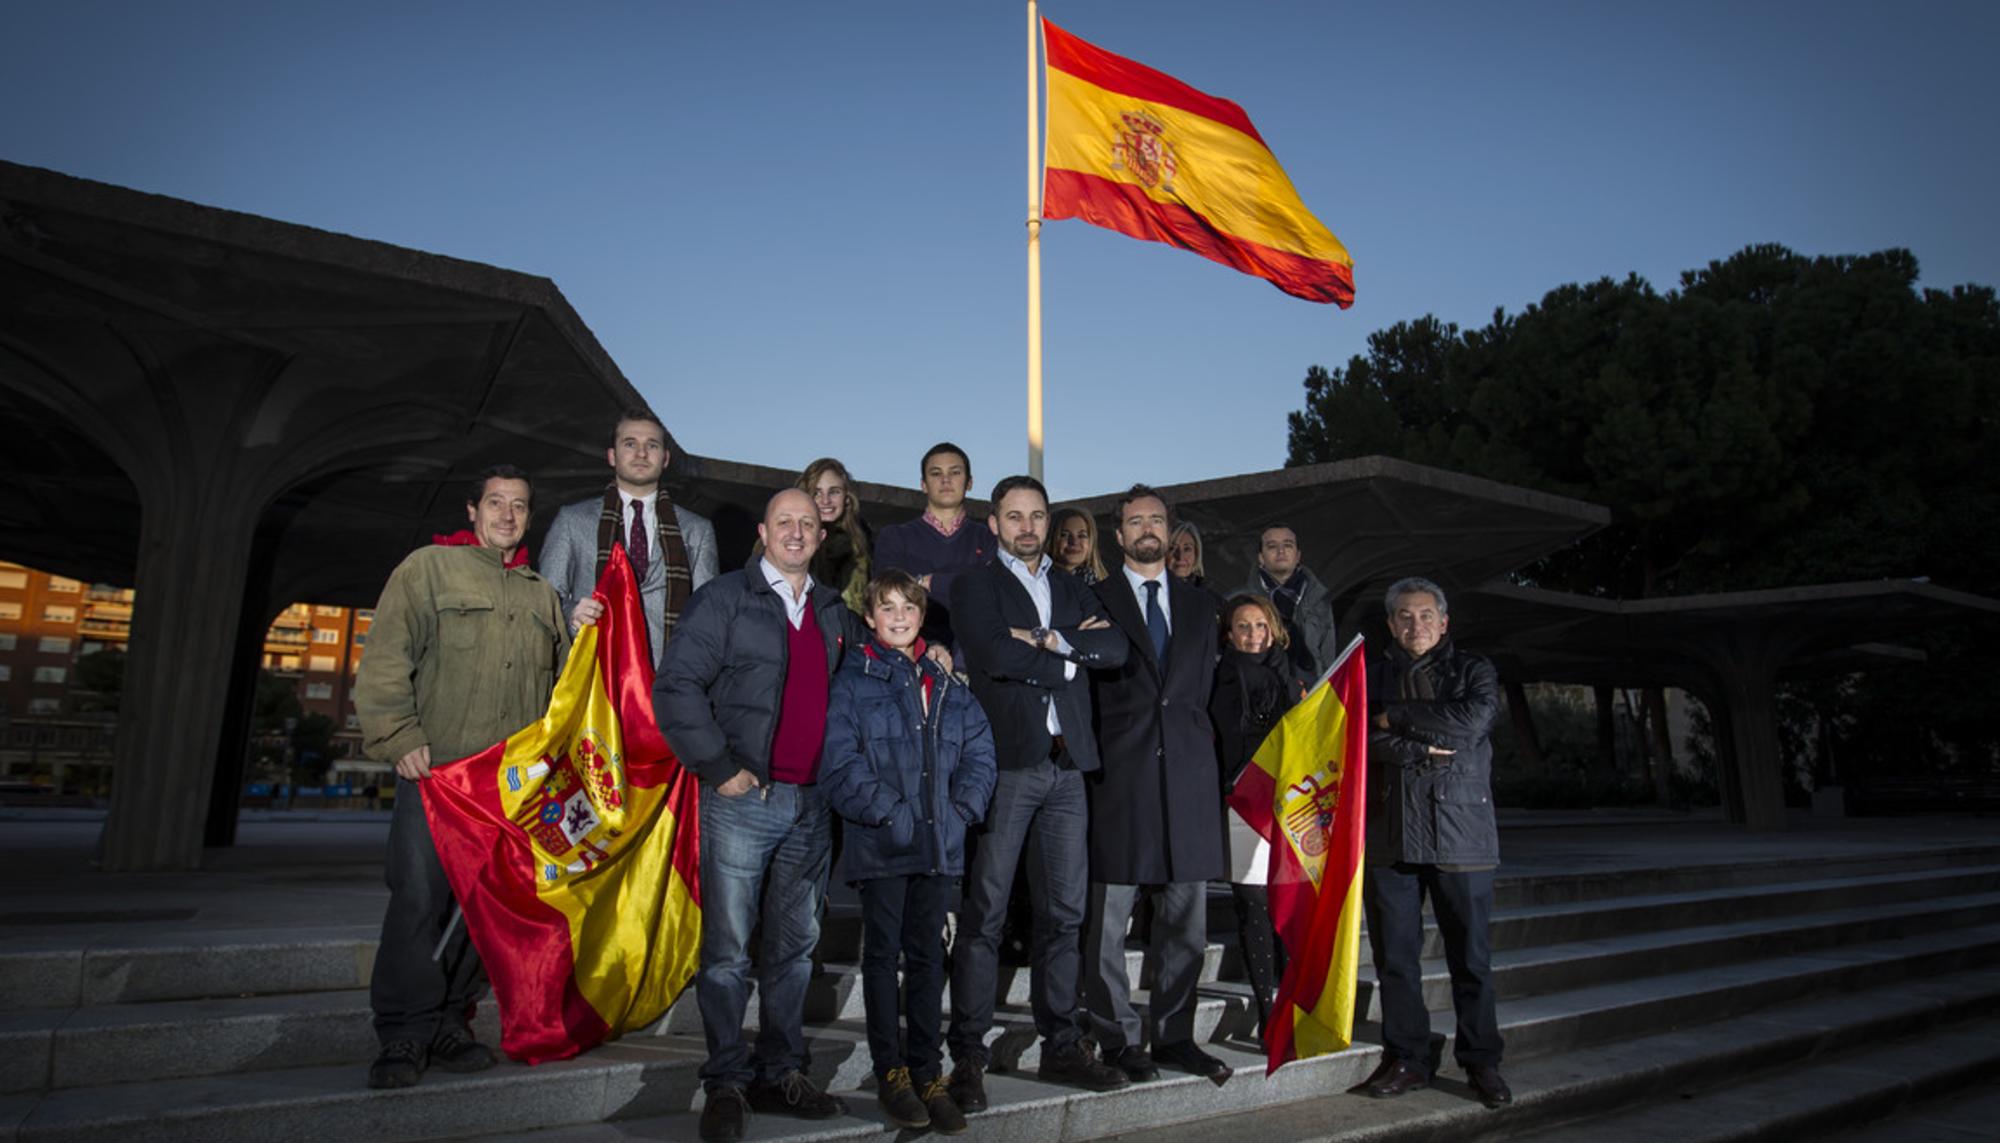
[[764, 855], [415, 997], [906, 915], [1040, 808], [1393, 896]]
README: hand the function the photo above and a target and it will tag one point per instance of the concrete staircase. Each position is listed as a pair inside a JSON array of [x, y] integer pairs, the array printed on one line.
[[1685, 1001]]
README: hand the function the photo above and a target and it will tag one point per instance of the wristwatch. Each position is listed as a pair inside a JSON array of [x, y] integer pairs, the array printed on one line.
[[1040, 635]]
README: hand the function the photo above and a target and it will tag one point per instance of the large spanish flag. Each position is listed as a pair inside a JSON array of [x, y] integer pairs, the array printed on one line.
[[1138, 151], [572, 849], [1305, 791]]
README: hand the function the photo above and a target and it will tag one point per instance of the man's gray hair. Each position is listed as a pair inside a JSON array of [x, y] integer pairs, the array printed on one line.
[[1410, 585]]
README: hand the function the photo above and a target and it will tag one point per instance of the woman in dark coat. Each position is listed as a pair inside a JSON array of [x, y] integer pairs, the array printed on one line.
[[1255, 684], [846, 552]]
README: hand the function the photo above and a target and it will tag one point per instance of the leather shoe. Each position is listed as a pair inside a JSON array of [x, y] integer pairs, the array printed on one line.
[[723, 1116], [1488, 1086], [1136, 1064], [456, 1051], [1188, 1056], [401, 1064], [1077, 1064], [794, 1094], [1401, 1077], [968, 1086]]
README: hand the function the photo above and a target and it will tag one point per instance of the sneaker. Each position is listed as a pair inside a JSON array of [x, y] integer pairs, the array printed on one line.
[[724, 1115], [401, 1064], [794, 1094], [1077, 1064], [456, 1051], [946, 1118], [968, 1086], [899, 1100]]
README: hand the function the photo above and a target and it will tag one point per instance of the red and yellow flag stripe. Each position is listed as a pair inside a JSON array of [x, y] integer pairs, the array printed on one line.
[[1135, 150]]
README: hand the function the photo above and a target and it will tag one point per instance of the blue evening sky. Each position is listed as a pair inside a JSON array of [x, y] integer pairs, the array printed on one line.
[[798, 226]]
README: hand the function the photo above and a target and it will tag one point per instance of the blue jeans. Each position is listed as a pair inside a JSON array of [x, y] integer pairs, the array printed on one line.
[[764, 855]]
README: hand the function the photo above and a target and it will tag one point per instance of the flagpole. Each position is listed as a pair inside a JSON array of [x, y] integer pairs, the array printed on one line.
[[1034, 254]]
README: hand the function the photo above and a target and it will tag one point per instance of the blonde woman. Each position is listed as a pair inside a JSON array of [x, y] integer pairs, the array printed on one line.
[[1073, 544], [845, 552]]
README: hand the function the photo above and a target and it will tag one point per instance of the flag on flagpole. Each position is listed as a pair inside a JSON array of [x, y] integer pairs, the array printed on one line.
[[1305, 791], [572, 848], [1138, 151]]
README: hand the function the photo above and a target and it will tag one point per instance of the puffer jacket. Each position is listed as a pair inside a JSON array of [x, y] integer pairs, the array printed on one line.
[[910, 781], [723, 675], [1424, 808]]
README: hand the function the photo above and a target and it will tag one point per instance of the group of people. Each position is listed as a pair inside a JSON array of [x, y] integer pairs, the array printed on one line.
[[939, 707]]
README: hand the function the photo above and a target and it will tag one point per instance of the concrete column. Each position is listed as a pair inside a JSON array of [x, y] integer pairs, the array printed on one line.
[[1753, 735]]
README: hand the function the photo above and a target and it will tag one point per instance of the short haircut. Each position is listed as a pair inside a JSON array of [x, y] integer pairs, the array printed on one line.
[[1140, 492], [477, 491], [1268, 529], [1280, 634], [1412, 585], [637, 413], [900, 582], [945, 446], [1015, 484]]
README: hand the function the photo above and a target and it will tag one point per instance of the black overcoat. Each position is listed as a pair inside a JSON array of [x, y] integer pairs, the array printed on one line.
[[1156, 806]]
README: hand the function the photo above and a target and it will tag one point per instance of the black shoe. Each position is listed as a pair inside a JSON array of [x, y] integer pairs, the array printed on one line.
[[968, 1086], [794, 1094], [1488, 1086], [899, 1100], [724, 1115], [1136, 1064], [456, 1051], [401, 1064], [1401, 1076], [1188, 1056], [1078, 1065], [946, 1116]]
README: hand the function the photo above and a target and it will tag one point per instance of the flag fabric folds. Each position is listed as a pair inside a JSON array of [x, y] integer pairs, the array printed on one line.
[[572, 848], [1306, 792], [1138, 151]]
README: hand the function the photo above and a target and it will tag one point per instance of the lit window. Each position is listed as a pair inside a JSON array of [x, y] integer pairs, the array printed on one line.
[[328, 609], [58, 613], [12, 578], [326, 663], [66, 586], [326, 634], [354, 722], [288, 662], [51, 674], [6, 641], [6, 673], [319, 690], [54, 644], [10, 610]]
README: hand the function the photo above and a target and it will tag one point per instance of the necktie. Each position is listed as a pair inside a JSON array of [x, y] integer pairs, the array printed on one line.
[[1156, 622], [638, 549]]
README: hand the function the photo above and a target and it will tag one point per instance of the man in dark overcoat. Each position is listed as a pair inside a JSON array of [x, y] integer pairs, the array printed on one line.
[[1155, 806]]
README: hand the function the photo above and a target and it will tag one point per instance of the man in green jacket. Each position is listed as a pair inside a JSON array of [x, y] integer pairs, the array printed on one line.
[[466, 644]]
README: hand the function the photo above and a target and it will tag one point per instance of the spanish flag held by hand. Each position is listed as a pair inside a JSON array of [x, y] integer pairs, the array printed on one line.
[[1138, 151], [573, 848], [1306, 792]]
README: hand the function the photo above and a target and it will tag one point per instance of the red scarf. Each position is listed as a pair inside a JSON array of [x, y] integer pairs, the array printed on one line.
[[464, 538]]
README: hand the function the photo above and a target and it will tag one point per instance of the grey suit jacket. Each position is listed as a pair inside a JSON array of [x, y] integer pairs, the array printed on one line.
[[569, 561]]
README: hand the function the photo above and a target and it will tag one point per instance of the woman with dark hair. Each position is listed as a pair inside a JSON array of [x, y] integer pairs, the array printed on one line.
[[1254, 686], [845, 552], [1073, 544]]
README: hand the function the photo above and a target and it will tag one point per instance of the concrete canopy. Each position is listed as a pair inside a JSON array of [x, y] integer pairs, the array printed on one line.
[[1731, 648], [274, 412]]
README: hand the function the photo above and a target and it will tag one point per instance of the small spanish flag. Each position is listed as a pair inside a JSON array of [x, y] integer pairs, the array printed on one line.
[[1138, 151], [1305, 791], [572, 848]]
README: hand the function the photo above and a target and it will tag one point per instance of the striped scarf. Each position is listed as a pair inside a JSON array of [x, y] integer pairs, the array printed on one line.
[[671, 552]]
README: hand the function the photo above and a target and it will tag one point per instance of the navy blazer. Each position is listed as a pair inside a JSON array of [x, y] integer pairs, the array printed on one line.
[[1016, 683]]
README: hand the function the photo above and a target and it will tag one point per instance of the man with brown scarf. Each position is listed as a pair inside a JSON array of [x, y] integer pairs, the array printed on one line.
[[672, 550]]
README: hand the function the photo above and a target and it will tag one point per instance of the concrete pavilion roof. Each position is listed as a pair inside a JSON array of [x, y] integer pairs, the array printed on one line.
[[385, 376], [1552, 636]]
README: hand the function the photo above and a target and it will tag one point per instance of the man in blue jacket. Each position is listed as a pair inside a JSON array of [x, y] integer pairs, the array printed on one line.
[[741, 697], [1431, 832]]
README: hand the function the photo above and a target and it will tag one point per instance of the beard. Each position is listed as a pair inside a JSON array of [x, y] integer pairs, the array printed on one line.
[[1149, 549], [1025, 548]]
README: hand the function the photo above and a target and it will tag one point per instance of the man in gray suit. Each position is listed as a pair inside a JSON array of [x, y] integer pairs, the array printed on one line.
[[672, 550]]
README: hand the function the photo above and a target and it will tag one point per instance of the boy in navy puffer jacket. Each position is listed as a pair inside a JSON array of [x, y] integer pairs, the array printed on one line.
[[908, 763]]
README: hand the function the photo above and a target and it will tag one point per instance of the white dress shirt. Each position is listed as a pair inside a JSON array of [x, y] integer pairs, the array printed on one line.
[[1139, 583], [1036, 580], [795, 608]]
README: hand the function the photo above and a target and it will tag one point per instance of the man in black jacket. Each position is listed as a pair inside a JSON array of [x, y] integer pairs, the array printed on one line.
[[1029, 636], [741, 697], [1431, 831], [1156, 807]]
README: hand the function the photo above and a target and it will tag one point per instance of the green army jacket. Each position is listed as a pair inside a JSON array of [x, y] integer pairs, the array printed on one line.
[[462, 653]]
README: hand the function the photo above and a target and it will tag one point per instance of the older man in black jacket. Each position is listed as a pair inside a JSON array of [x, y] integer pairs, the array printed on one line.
[[1029, 633], [1431, 832], [1156, 808]]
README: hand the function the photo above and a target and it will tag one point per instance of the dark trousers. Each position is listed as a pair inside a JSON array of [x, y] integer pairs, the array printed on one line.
[[1177, 938], [415, 997], [904, 915], [1393, 896], [1041, 808], [1263, 953], [764, 860]]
